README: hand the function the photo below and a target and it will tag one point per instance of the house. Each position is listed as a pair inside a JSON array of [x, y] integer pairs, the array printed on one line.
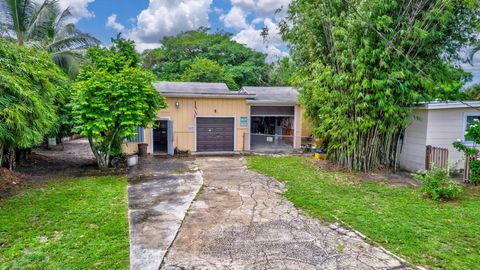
[[438, 124], [208, 117]]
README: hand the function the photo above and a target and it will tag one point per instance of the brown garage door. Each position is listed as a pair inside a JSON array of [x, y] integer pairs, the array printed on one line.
[[215, 134]]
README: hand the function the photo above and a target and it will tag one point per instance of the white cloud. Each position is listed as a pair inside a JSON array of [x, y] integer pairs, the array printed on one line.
[[270, 45], [265, 8], [166, 18], [235, 18], [266, 13], [112, 23], [78, 8]]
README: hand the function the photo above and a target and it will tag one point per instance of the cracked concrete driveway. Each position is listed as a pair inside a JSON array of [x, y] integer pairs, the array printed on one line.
[[241, 221], [160, 192]]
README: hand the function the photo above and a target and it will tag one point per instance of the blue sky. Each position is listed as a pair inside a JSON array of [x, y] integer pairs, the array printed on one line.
[[148, 21]]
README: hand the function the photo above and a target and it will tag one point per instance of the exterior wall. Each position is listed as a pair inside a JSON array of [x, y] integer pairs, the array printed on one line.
[[298, 126], [444, 127], [439, 128], [412, 155], [132, 147], [184, 123]]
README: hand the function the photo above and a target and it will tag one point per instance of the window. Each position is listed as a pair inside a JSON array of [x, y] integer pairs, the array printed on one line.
[[469, 120], [139, 137]]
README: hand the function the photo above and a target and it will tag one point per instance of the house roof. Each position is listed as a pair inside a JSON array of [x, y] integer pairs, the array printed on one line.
[[197, 89], [437, 105], [272, 95], [254, 95]]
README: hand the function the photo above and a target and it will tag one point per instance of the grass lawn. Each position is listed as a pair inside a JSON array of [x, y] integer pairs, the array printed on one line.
[[69, 224], [425, 232]]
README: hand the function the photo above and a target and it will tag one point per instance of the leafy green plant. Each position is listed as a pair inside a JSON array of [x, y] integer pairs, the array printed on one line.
[[204, 70], [32, 88], [473, 92], [475, 171], [472, 135], [281, 72], [43, 24], [438, 185], [113, 96], [178, 53], [362, 66]]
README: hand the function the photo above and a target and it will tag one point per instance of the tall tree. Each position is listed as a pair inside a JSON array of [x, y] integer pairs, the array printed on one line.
[[281, 72], [363, 65], [113, 96], [204, 70], [178, 53], [46, 26], [30, 87], [473, 92]]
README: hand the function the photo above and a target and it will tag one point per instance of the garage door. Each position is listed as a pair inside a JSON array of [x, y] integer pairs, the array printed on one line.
[[215, 134]]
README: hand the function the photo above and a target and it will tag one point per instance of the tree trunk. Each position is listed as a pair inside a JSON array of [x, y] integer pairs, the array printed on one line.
[[373, 149], [102, 158], [1, 155], [12, 160]]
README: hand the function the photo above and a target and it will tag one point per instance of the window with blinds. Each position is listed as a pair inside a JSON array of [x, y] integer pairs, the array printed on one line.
[[140, 137]]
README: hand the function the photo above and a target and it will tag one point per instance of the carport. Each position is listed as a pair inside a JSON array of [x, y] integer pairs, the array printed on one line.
[[274, 123]]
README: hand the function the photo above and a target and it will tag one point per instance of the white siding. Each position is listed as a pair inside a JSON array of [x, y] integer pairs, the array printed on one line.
[[444, 127], [436, 127], [412, 155]]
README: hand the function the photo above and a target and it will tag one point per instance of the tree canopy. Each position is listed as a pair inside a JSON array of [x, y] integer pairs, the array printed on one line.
[[113, 96], [178, 53], [363, 65], [473, 92], [282, 72], [45, 25], [204, 70], [30, 87]]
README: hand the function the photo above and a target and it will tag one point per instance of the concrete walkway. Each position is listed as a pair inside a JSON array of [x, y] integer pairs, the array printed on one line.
[[160, 191], [241, 221]]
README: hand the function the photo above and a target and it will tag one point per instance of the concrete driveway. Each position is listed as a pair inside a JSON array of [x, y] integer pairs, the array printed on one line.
[[240, 220], [160, 191]]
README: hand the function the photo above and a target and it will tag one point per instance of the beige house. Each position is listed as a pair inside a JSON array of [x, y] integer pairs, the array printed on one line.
[[438, 124], [208, 117]]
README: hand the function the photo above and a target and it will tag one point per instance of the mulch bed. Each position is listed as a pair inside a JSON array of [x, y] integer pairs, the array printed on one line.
[[387, 177], [9, 180]]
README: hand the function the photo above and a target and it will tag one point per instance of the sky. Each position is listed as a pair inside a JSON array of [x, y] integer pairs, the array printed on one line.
[[148, 21]]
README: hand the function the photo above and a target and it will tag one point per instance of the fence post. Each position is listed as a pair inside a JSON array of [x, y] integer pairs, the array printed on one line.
[[428, 155]]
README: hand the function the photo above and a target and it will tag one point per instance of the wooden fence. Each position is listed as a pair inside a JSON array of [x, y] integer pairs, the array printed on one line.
[[436, 156], [466, 171]]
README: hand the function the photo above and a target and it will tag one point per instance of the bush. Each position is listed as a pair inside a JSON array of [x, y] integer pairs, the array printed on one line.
[[438, 185], [475, 171]]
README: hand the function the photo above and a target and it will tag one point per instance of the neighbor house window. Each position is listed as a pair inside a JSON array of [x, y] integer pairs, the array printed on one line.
[[139, 137], [469, 120]]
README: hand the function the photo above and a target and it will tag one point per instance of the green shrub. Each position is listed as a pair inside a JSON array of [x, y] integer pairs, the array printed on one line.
[[438, 185], [475, 171]]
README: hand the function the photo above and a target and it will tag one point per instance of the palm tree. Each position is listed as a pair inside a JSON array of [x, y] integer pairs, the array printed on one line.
[[45, 25]]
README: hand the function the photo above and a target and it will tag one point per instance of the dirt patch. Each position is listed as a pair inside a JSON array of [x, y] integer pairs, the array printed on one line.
[[73, 159], [400, 178], [9, 179]]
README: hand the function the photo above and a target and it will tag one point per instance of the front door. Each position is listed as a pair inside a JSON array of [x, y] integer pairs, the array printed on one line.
[[160, 136]]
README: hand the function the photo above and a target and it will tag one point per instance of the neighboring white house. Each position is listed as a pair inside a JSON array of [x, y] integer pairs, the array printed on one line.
[[437, 124]]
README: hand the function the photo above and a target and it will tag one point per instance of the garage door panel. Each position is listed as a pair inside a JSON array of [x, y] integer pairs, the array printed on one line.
[[215, 134]]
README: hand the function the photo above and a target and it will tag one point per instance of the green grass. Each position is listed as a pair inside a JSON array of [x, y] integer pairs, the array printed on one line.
[[69, 224], [427, 233]]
